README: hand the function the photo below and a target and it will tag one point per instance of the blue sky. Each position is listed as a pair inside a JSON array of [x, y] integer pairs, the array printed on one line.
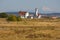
[[44, 6]]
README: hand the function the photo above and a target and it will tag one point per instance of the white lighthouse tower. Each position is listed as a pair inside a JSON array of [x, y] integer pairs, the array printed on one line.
[[36, 11]]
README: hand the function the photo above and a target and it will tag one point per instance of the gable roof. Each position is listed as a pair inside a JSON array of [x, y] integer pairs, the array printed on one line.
[[22, 12]]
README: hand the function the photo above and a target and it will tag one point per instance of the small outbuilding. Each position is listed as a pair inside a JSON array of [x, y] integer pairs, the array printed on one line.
[[54, 17]]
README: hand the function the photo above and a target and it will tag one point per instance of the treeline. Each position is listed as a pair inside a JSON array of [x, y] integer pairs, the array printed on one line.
[[11, 17]]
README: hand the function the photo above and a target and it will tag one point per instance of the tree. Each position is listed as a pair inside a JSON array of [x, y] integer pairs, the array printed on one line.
[[3, 15]]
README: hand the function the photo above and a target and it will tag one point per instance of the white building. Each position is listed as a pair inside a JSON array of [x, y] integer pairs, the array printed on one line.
[[23, 14], [36, 11], [27, 14]]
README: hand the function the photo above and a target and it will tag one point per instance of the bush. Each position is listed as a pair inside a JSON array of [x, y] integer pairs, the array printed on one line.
[[19, 18], [13, 18]]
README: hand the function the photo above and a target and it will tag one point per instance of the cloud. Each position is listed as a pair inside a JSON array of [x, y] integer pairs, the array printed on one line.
[[44, 8]]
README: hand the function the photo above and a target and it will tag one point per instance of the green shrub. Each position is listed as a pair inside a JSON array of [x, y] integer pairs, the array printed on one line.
[[11, 18], [19, 18]]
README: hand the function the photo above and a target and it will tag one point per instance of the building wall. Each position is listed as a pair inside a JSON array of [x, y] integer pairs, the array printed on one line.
[[22, 16], [36, 11], [27, 14]]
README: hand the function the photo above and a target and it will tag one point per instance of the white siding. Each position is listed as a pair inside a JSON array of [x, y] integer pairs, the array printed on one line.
[[22, 17], [27, 14], [36, 10]]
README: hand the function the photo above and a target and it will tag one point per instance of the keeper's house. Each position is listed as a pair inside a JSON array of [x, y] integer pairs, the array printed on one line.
[[23, 14]]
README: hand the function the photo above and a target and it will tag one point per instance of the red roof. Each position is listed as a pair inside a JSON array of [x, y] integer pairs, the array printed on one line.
[[22, 12]]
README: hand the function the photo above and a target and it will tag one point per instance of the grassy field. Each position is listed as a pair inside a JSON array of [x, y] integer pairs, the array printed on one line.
[[30, 29]]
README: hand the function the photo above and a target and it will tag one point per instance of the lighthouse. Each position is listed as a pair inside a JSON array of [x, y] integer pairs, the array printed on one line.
[[36, 11]]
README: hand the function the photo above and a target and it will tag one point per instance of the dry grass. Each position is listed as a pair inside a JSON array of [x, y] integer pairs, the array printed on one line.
[[30, 29]]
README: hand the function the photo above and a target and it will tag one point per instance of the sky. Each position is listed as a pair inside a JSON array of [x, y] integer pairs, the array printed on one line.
[[44, 6]]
